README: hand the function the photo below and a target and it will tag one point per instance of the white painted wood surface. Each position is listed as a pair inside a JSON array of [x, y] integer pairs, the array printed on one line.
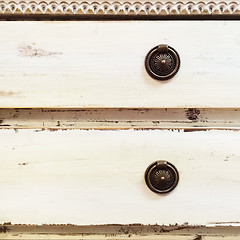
[[97, 177], [101, 64]]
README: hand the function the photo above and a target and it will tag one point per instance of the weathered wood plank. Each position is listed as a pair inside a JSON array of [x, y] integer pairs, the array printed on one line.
[[101, 64], [111, 232], [95, 237], [97, 177], [120, 118]]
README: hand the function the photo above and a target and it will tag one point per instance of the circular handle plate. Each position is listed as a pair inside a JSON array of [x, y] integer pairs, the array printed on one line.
[[162, 62], [161, 177]]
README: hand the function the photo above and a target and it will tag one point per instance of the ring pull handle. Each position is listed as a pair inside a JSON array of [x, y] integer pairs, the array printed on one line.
[[161, 177], [162, 62]]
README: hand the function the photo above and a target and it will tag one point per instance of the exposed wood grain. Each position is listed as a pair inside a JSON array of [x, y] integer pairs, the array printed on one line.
[[219, 238], [109, 232], [103, 237], [101, 64], [96, 237], [120, 118], [97, 177]]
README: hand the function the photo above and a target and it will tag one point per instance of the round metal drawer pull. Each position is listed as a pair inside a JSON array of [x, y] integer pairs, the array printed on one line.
[[162, 62], [161, 177]]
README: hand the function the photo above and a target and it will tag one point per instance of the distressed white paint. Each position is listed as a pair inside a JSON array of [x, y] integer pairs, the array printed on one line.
[[119, 232], [97, 237], [117, 237], [120, 118], [97, 177], [102, 237], [101, 64]]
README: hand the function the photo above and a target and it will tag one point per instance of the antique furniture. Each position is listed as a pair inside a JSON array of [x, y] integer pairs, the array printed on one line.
[[120, 120]]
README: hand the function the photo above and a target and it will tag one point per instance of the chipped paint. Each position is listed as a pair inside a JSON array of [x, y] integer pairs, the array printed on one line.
[[224, 224], [33, 51], [23, 164], [198, 237], [192, 114], [118, 230], [121, 118], [4, 229], [7, 93]]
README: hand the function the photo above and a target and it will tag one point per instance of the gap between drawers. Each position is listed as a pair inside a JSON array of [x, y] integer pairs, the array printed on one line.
[[187, 119]]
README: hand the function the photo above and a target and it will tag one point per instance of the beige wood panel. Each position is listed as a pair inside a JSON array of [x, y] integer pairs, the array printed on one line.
[[95, 237], [101, 64], [97, 177], [101, 237], [118, 232], [104, 237], [188, 119]]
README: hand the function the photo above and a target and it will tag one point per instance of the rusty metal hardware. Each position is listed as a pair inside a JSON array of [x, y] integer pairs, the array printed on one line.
[[162, 62], [161, 177]]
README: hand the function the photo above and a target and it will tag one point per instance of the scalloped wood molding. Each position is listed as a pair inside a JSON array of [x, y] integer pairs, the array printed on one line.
[[120, 8]]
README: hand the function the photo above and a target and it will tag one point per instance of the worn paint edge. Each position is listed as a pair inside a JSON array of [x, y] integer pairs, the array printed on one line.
[[119, 230], [187, 119]]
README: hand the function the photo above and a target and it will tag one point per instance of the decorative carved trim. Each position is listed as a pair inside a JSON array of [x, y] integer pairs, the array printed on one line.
[[117, 8]]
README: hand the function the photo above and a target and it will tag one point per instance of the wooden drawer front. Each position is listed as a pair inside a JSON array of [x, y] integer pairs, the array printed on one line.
[[97, 177], [101, 64]]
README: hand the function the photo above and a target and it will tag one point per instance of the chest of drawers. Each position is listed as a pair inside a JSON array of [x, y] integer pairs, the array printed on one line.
[[88, 136]]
